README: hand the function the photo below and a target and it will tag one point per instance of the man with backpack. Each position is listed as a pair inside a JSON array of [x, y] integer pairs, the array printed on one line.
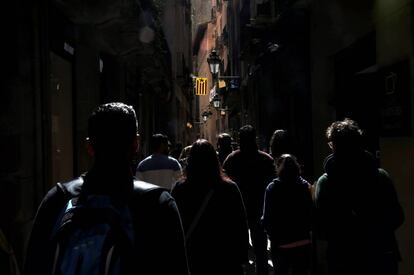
[[106, 222], [357, 208]]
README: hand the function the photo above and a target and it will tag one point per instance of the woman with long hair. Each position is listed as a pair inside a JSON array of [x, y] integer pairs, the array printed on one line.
[[213, 215], [287, 218]]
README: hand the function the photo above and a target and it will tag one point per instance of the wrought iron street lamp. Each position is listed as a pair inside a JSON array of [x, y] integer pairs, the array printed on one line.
[[214, 61], [205, 115], [205, 118], [216, 101]]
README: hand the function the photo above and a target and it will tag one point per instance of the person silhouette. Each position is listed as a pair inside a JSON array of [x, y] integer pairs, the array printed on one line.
[[213, 215], [252, 170], [157, 231], [287, 218], [159, 168], [357, 208], [280, 143], [224, 146]]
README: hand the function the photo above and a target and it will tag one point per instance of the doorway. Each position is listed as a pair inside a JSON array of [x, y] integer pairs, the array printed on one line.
[[357, 93], [62, 144]]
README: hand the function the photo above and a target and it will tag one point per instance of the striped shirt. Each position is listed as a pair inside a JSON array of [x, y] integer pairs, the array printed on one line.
[[159, 169]]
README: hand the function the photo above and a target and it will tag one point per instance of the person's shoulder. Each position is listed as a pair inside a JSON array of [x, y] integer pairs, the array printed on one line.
[[235, 153], [228, 183], [175, 164], [149, 158], [323, 178], [145, 163], [61, 192], [171, 158], [142, 187], [384, 177], [229, 187], [71, 188], [233, 156], [383, 173], [321, 183], [150, 194], [53, 194], [272, 185], [265, 155]]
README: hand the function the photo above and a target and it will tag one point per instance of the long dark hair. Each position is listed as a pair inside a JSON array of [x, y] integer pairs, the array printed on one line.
[[287, 168], [203, 164]]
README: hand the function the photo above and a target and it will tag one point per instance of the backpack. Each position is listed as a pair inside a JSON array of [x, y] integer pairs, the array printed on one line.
[[93, 236]]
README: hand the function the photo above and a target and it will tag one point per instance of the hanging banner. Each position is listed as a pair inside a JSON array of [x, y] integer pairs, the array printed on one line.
[[222, 84], [201, 86], [212, 94]]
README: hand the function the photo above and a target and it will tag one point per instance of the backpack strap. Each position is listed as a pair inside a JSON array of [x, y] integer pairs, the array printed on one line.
[[71, 188]]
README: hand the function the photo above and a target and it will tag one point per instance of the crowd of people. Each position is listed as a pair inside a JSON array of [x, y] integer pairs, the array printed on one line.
[[196, 215]]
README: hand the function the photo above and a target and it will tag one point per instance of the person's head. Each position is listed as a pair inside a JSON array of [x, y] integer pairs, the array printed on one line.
[[160, 144], [279, 143], [224, 142], [247, 138], [345, 137], [287, 167], [185, 152], [202, 163], [112, 132]]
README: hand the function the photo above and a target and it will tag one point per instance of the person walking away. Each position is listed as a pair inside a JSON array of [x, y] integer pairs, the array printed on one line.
[[224, 147], [357, 207], [159, 168], [287, 218], [252, 170], [145, 226], [213, 215], [280, 143], [184, 156]]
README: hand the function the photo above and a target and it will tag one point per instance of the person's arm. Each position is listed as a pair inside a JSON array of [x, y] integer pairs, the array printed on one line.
[[139, 174], [227, 167], [39, 253], [269, 174], [320, 213], [178, 172], [392, 214], [238, 226], [308, 202], [173, 256], [270, 170], [267, 211]]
